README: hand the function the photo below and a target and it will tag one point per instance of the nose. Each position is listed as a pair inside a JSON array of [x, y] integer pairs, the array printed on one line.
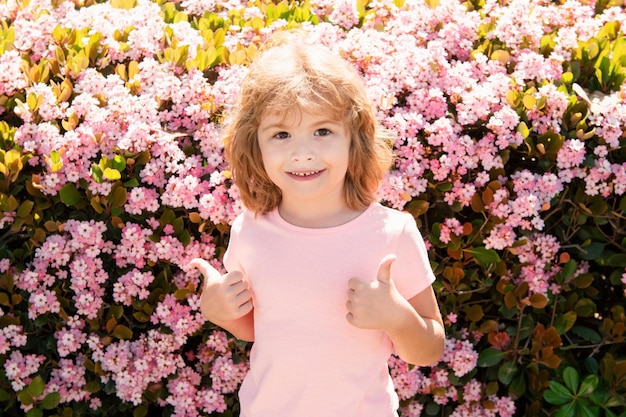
[[302, 150]]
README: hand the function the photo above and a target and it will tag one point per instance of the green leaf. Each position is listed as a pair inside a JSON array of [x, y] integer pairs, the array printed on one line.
[[484, 256], [4, 395], [583, 410], [25, 208], [122, 332], [592, 251], [568, 410], [588, 386], [118, 197], [96, 173], [133, 182], [585, 307], [184, 237], [70, 195], [141, 411], [118, 163], [35, 412], [518, 385], [557, 394], [92, 386], [570, 376], [490, 357], [565, 322], [507, 372], [618, 260], [51, 400], [36, 386], [587, 334]]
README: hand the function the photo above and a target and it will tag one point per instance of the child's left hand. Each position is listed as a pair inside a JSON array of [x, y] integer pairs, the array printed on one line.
[[375, 304]]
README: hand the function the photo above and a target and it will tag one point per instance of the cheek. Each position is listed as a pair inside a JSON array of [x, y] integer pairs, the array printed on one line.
[[271, 165]]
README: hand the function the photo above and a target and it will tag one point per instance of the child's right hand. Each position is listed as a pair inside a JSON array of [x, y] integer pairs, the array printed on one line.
[[225, 297]]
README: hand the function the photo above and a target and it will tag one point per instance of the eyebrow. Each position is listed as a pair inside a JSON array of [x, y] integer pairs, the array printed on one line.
[[272, 127], [281, 125]]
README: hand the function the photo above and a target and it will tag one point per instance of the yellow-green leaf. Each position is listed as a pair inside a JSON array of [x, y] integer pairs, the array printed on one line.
[[118, 197], [122, 332], [25, 208], [529, 102], [501, 55], [54, 161], [111, 174], [523, 130]]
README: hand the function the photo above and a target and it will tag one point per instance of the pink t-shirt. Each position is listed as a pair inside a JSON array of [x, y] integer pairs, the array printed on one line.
[[307, 360]]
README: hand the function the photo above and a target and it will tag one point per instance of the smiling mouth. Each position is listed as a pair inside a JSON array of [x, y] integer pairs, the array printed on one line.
[[304, 173]]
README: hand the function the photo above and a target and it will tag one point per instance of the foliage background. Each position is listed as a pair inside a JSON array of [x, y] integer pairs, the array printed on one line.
[[510, 139]]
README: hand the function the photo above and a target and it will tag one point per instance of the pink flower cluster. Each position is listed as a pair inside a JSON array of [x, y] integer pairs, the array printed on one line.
[[69, 381], [135, 365], [182, 320], [18, 368], [451, 226], [538, 267], [12, 79], [460, 358], [521, 207], [11, 336], [70, 338]]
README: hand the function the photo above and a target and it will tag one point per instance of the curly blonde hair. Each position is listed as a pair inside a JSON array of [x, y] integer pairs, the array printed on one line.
[[287, 74]]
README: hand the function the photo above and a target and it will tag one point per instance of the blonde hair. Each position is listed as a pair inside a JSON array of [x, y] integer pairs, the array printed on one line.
[[291, 74]]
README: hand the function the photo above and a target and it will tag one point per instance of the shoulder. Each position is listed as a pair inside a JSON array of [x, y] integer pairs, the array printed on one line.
[[393, 220], [248, 221]]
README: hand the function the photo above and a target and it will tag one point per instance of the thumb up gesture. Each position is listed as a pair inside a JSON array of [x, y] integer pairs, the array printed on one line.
[[371, 305], [225, 297]]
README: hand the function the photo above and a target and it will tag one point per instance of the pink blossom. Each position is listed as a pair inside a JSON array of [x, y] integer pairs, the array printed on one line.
[[5, 264], [12, 79], [344, 14], [18, 368], [69, 380], [178, 317], [226, 375], [131, 285], [11, 336], [71, 338], [571, 154], [460, 356], [133, 366]]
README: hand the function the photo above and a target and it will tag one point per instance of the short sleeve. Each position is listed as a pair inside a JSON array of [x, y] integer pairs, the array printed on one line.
[[411, 271]]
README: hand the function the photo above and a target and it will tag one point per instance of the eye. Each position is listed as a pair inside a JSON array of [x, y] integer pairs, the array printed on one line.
[[281, 135], [322, 132]]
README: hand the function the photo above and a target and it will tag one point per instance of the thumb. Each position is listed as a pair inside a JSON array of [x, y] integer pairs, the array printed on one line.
[[384, 269], [205, 268]]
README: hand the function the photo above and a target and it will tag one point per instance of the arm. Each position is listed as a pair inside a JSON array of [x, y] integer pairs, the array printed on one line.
[[226, 300], [242, 328], [414, 326], [418, 320]]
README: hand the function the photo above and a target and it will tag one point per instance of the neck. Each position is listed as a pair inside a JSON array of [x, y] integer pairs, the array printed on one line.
[[318, 214]]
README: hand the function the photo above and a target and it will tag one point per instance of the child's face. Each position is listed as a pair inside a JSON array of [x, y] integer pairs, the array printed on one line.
[[306, 155]]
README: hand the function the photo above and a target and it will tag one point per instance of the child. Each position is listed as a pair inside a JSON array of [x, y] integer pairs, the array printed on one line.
[[326, 281]]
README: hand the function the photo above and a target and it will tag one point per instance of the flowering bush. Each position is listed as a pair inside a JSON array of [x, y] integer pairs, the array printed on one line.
[[509, 120]]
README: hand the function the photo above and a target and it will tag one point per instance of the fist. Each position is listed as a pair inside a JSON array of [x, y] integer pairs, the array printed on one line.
[[224, 297], [371, 305]]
